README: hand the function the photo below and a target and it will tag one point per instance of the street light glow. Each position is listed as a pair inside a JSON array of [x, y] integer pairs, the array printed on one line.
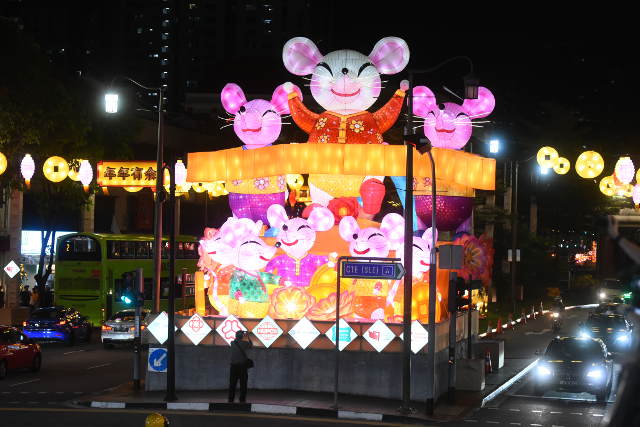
[[494, 146], [111, 102], [543, 170]]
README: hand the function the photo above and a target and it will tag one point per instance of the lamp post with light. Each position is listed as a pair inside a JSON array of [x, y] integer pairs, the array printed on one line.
[[111, 106]]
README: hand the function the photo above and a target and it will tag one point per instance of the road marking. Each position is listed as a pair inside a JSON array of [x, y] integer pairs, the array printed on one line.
[[15, 402], [514, 409], [597, 415], [555, 425], [544, 331], [508, 383], [470, 421], [71, 352], [492, 422], [576, 413], [536, 425], [6, 392], [99, 366], [25, 382], [514, 424], [537, 411], [189, 406], [555, 412], [109, 405]]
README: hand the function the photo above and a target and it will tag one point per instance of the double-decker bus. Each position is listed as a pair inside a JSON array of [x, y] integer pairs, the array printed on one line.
[[93, 270]]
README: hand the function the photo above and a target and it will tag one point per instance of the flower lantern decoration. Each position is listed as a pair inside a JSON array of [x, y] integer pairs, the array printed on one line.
[[561, 166], [27, 169], [589, 164], [546, 157], [625, 170], [55, 169], [3, 163], [86, 174], [608, 186], [636, 195]]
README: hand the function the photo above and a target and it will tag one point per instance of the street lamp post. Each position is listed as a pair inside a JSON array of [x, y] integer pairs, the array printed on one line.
[[111, 106]]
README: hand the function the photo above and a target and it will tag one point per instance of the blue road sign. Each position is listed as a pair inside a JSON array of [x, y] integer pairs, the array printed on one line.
[[158, 359], [372, 270]]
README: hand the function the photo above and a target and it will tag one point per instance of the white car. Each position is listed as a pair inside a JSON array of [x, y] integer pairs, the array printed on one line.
[[120, 328]]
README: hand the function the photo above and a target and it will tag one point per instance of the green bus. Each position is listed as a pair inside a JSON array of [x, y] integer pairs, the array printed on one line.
[[91, 271]]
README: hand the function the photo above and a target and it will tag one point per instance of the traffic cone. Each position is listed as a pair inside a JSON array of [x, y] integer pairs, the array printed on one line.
[[487, 362], [499, 327], [524, 317]]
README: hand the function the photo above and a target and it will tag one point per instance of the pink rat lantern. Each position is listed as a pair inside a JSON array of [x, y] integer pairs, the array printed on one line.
[[257, 123]]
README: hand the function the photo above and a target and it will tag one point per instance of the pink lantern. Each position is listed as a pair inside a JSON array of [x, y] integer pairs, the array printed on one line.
[[27, 169], [180, 171], [636, 194], [86, 174], [625, 170]]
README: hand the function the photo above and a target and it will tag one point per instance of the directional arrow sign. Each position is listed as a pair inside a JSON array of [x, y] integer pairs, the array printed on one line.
[[372, 270], [157, 360]]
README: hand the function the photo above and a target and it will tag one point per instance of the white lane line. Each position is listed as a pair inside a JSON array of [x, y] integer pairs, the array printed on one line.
[[71, 352], [99, 366], [576, 413], [537, 411], [25, 382], [544, 331], [470, 421], [555, 412], [514, 409], [536, 425], [6, 392], [514, 424], [492, 422], [555, 425], [597, 415], [14, 402]]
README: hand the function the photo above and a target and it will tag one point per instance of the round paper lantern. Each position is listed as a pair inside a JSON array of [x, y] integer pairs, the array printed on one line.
[[181, 173], [608, 186], [636, 194], [546, 157], [85, 173], [74, 169], [27, 168], [589, 164], [561, 166], [55, 169], [3, 163], [625, 170], [295, 181], [133, 189]]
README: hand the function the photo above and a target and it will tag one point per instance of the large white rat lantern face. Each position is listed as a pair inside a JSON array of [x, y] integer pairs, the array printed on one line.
[[345, 81]]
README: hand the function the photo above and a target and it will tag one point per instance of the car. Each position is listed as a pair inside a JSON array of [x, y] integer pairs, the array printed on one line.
[[609, 308], [612, 329], [17, 351], [57, 324], [119, 329], [575, 364]]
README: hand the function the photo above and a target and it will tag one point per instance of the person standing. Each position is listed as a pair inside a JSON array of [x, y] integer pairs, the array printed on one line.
[[25, 296], [239, 366]]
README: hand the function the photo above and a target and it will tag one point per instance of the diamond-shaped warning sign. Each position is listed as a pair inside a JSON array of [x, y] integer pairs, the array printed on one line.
[[228, 328], [12, 269], [379, 335], [267, 331], [158, 327], [196, 329]]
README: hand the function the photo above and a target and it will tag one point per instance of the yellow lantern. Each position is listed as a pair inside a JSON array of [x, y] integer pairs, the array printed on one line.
[[55, 169], [561, 166], [74, 169], [608, 186], [3, 163], [199, 187], [625, 190], [589, 164], [295, 181], [637, 176], [547, 157], [133, 189], [181, 189]]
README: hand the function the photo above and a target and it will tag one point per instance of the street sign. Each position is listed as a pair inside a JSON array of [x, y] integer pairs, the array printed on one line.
[[196, 329], [12, 269], [372, 270], [157, 360]]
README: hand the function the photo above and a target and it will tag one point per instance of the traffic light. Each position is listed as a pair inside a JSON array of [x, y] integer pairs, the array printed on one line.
[[134, 298]]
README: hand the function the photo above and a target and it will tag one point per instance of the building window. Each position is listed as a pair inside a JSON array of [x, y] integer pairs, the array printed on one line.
[[165, 49], [165, 11], [164, 74], [165, 23], [139, 30], [164, 61], [165, 36]]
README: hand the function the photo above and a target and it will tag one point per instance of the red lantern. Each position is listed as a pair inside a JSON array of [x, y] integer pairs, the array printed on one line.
[[372, 192]]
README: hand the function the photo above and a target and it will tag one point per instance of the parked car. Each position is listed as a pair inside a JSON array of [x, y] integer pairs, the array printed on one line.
[[577, 365], [120, 328], [57, 324], [612, 329], [17, 351]]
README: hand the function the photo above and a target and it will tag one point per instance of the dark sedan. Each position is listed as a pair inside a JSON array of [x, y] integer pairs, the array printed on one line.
[[612, 329], [576, 365], [57, 324]]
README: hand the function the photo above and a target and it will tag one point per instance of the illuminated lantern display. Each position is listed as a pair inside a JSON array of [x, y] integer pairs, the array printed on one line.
[[561, 166], [295, 181], [55, 169], [181, 188], [27, 169], [589, 164], [449, 125], [624, 170], [258, 124], [451, 211], [133, 189], [199, 187], [608, 186], [625, 190], [638, 176], [547, 157], [345, 83], [636, 194], [180, 171], [86, 174], [372, 192], [74, 168], [3, 163]]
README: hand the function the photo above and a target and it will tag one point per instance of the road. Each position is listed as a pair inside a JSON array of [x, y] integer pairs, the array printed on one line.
[[519, 407]]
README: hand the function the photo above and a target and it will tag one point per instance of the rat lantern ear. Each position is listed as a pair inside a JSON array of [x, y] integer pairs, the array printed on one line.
[[321, 219], [392, 227], [390, 55], [481, 107], [277, 216], [300, 56], [348, 227], [232, 98], [280, 99], [423, 101]]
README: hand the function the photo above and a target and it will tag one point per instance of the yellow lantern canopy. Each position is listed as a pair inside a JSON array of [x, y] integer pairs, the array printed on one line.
[[133, 189], [547, 157], [561, 166], [55, 169], [295, 181], [608, 186], [3, 163], [199, 187], [589, 164]]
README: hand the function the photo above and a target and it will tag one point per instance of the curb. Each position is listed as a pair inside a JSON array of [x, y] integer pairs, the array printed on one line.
[[256, 408]]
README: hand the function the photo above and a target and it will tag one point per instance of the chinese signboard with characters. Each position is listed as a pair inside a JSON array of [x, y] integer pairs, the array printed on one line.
[[127, 174]]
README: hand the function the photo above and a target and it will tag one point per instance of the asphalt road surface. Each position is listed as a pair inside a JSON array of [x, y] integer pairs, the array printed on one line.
[[519, 407]]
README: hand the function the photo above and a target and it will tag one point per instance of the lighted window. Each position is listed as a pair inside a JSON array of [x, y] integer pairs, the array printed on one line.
[[165, 36], [164, 74], [139, 30], [165, 11], [192, 6], [165, 49], [165, 23], [164, 61]]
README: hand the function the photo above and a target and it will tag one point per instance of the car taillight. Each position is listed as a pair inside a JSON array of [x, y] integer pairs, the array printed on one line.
[[106, 328], [62, 322], [24, 323], [142, 327]]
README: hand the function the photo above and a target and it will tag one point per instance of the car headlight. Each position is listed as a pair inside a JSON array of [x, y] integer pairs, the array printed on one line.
[[595, 374], [584, 334], [622, 338], [603, 295], [555, 315], [544, 371]]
